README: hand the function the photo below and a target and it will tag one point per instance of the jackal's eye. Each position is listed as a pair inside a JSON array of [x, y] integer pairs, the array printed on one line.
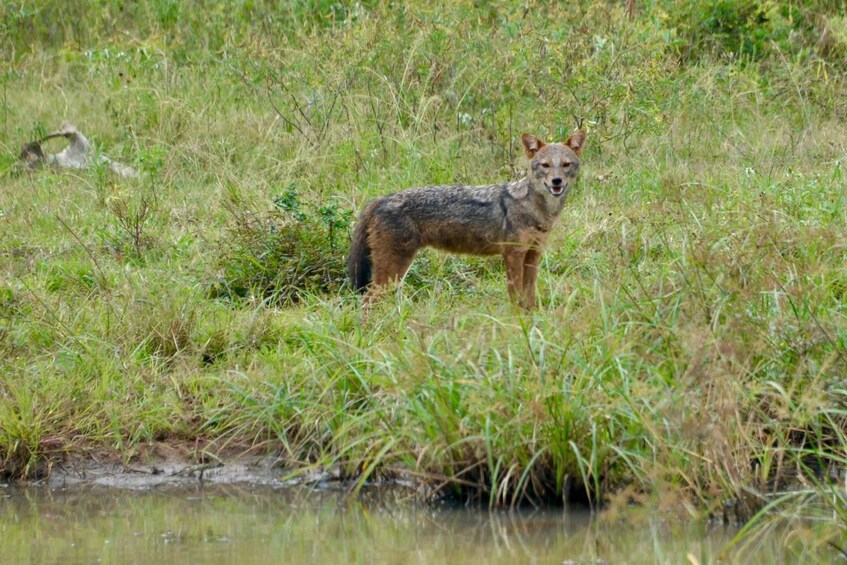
[[566, 165], [545, 165]]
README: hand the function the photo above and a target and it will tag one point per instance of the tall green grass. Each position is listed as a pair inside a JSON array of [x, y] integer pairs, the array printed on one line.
[[691, 334]]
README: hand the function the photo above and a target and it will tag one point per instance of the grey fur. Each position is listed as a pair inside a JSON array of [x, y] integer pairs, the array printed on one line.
[[510, 219]]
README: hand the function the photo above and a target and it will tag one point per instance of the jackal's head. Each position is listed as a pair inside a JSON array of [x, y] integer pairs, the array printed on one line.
[[553, 166]]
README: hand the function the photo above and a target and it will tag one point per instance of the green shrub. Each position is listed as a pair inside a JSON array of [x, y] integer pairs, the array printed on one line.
[[754, 29], [285, 253]]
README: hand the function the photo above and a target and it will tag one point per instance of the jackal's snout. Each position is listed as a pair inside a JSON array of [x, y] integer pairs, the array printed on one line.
[[556, 189]]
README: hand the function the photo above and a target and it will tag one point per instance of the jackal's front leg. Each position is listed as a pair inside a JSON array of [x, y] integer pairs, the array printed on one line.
[[530, 275], [514, 259]]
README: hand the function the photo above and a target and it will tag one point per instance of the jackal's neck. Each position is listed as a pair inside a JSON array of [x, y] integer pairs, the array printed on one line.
[[519, 189]]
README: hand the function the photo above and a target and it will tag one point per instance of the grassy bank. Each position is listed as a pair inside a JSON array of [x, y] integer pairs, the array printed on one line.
[[690, 344]]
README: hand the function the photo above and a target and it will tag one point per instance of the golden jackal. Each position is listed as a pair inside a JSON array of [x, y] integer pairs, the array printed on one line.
[[512, 219]]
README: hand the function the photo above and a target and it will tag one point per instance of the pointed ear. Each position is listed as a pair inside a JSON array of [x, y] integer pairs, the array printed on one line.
[[576, 141], [531, 144]]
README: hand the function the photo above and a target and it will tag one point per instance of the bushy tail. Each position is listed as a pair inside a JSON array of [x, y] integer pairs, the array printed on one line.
[[359, 262]]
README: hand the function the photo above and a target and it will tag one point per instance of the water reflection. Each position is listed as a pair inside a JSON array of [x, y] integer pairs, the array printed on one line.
[[232, 524]]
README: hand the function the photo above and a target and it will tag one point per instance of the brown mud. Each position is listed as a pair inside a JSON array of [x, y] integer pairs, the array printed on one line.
[[163, 464]]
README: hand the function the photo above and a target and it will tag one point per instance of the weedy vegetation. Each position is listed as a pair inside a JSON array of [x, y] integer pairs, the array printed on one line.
[[690, 348]]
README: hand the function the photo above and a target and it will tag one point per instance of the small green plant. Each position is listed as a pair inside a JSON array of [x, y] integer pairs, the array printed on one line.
[[285, 253], [131, 223]]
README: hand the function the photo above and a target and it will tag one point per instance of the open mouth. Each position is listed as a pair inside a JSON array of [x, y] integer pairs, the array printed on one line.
[[556, 190]]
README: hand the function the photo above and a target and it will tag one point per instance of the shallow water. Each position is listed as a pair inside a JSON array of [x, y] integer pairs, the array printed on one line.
[[238, 524]]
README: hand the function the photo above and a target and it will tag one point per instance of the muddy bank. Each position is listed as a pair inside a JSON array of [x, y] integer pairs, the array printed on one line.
[[163, 464]]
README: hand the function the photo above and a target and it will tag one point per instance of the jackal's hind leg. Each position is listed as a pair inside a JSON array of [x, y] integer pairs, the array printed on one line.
[[388, 268]]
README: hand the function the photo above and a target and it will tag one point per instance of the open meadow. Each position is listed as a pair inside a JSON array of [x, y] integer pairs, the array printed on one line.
[[689, 351]]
